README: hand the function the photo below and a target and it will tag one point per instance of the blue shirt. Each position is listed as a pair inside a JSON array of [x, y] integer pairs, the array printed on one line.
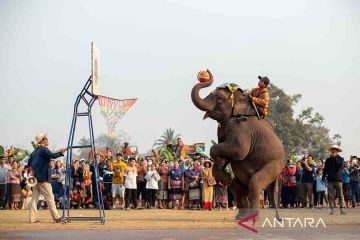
[[298, 175], [39, 162], [346, 175], [308, 177], [54, 171], [176, 174], [191, 173], [319, 186], [184, 166], [3, 174]]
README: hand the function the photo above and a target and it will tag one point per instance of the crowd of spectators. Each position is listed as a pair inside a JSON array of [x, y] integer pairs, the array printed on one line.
[[304, 184], [129, 182]]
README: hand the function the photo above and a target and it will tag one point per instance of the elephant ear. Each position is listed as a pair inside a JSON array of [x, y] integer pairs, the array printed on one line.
[[240, 104]]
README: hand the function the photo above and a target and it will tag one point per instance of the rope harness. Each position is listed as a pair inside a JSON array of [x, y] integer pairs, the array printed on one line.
[[232, 87]]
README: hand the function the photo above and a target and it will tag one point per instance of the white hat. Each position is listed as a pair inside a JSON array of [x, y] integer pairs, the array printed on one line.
[[39, 137], [335, 147], [208, 161]]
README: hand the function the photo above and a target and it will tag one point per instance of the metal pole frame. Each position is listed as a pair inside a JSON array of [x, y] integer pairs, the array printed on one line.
[[66, 196]]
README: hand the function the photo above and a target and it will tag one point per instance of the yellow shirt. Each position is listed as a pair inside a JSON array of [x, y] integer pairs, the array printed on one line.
[[118, 177]]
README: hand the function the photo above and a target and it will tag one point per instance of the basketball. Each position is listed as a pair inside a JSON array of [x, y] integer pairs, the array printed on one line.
[[203, 76]]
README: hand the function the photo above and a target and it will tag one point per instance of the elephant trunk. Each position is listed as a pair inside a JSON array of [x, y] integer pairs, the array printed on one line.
[[200, 103]]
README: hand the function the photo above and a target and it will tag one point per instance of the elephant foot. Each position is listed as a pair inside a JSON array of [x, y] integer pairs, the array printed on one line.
[[243, 213], [255, 211]]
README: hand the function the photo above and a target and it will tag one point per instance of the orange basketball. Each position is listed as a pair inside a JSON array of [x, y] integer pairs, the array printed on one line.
[[203, 76]]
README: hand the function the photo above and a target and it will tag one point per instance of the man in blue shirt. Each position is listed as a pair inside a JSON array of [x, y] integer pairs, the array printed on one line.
[[39, 165], [307, 181]]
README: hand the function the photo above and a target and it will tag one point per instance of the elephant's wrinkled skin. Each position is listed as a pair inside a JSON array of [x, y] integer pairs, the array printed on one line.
[[251, 146]]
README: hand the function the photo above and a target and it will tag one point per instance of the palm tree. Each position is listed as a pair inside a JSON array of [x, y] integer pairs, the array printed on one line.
[[168, 137]]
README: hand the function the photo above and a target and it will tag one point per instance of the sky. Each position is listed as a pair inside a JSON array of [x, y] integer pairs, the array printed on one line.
[[153, 50]]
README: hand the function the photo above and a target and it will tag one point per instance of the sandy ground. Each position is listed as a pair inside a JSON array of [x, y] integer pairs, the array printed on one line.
[[165, 223]]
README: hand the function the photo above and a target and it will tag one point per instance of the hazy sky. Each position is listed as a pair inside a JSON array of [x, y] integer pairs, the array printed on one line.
[[153, 50]]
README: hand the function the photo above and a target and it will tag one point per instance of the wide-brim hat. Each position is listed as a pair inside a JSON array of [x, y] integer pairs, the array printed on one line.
[[335, 147], [208, 161], [39, 137]]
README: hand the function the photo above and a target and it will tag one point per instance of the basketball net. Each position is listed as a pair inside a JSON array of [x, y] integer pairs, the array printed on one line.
[[113, 110]]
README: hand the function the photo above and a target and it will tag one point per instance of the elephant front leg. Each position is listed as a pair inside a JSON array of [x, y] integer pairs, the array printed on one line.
[[220, 174], [240, 193], [219, 167]]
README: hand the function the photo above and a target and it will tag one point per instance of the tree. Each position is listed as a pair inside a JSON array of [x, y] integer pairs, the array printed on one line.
[[303, 133], [168, 137], [103, 141], [107, 141], [83, 152]]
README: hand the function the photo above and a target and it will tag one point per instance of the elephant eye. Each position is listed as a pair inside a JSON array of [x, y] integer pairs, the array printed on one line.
[[220, 99]]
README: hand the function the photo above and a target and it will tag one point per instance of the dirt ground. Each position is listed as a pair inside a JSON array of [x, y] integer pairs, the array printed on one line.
[[167, 219]]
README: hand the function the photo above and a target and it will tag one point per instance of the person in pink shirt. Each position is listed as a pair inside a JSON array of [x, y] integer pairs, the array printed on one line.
[[14, 178]]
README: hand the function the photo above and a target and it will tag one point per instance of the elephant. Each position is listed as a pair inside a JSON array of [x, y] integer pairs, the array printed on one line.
[[246, 141]]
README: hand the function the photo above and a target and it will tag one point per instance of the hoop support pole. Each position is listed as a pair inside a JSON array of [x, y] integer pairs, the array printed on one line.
[[66, 196]]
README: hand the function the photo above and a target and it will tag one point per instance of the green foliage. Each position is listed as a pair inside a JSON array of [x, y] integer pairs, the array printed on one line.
[[20, 154], [166, 153], [2, 150], [168, 137], [303, 133]]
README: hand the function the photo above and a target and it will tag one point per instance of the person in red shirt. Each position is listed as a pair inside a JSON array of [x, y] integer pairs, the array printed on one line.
[[289, 185], [75, 198], [126, 151]]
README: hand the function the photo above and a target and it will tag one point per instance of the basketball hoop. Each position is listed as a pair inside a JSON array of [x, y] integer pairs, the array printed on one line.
[[113, 110]]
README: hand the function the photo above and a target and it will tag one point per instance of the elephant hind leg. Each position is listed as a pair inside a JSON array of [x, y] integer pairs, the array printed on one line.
[[258, 182], [240, 192]]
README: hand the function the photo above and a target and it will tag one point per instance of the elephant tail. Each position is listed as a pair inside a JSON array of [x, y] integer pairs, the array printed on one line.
[[274, 193]]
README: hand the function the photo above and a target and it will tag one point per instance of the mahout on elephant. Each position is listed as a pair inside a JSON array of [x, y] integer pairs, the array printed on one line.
[[246, 141]]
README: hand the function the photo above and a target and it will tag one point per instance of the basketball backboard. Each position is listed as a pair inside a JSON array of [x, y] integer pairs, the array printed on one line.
[[95, 58]]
